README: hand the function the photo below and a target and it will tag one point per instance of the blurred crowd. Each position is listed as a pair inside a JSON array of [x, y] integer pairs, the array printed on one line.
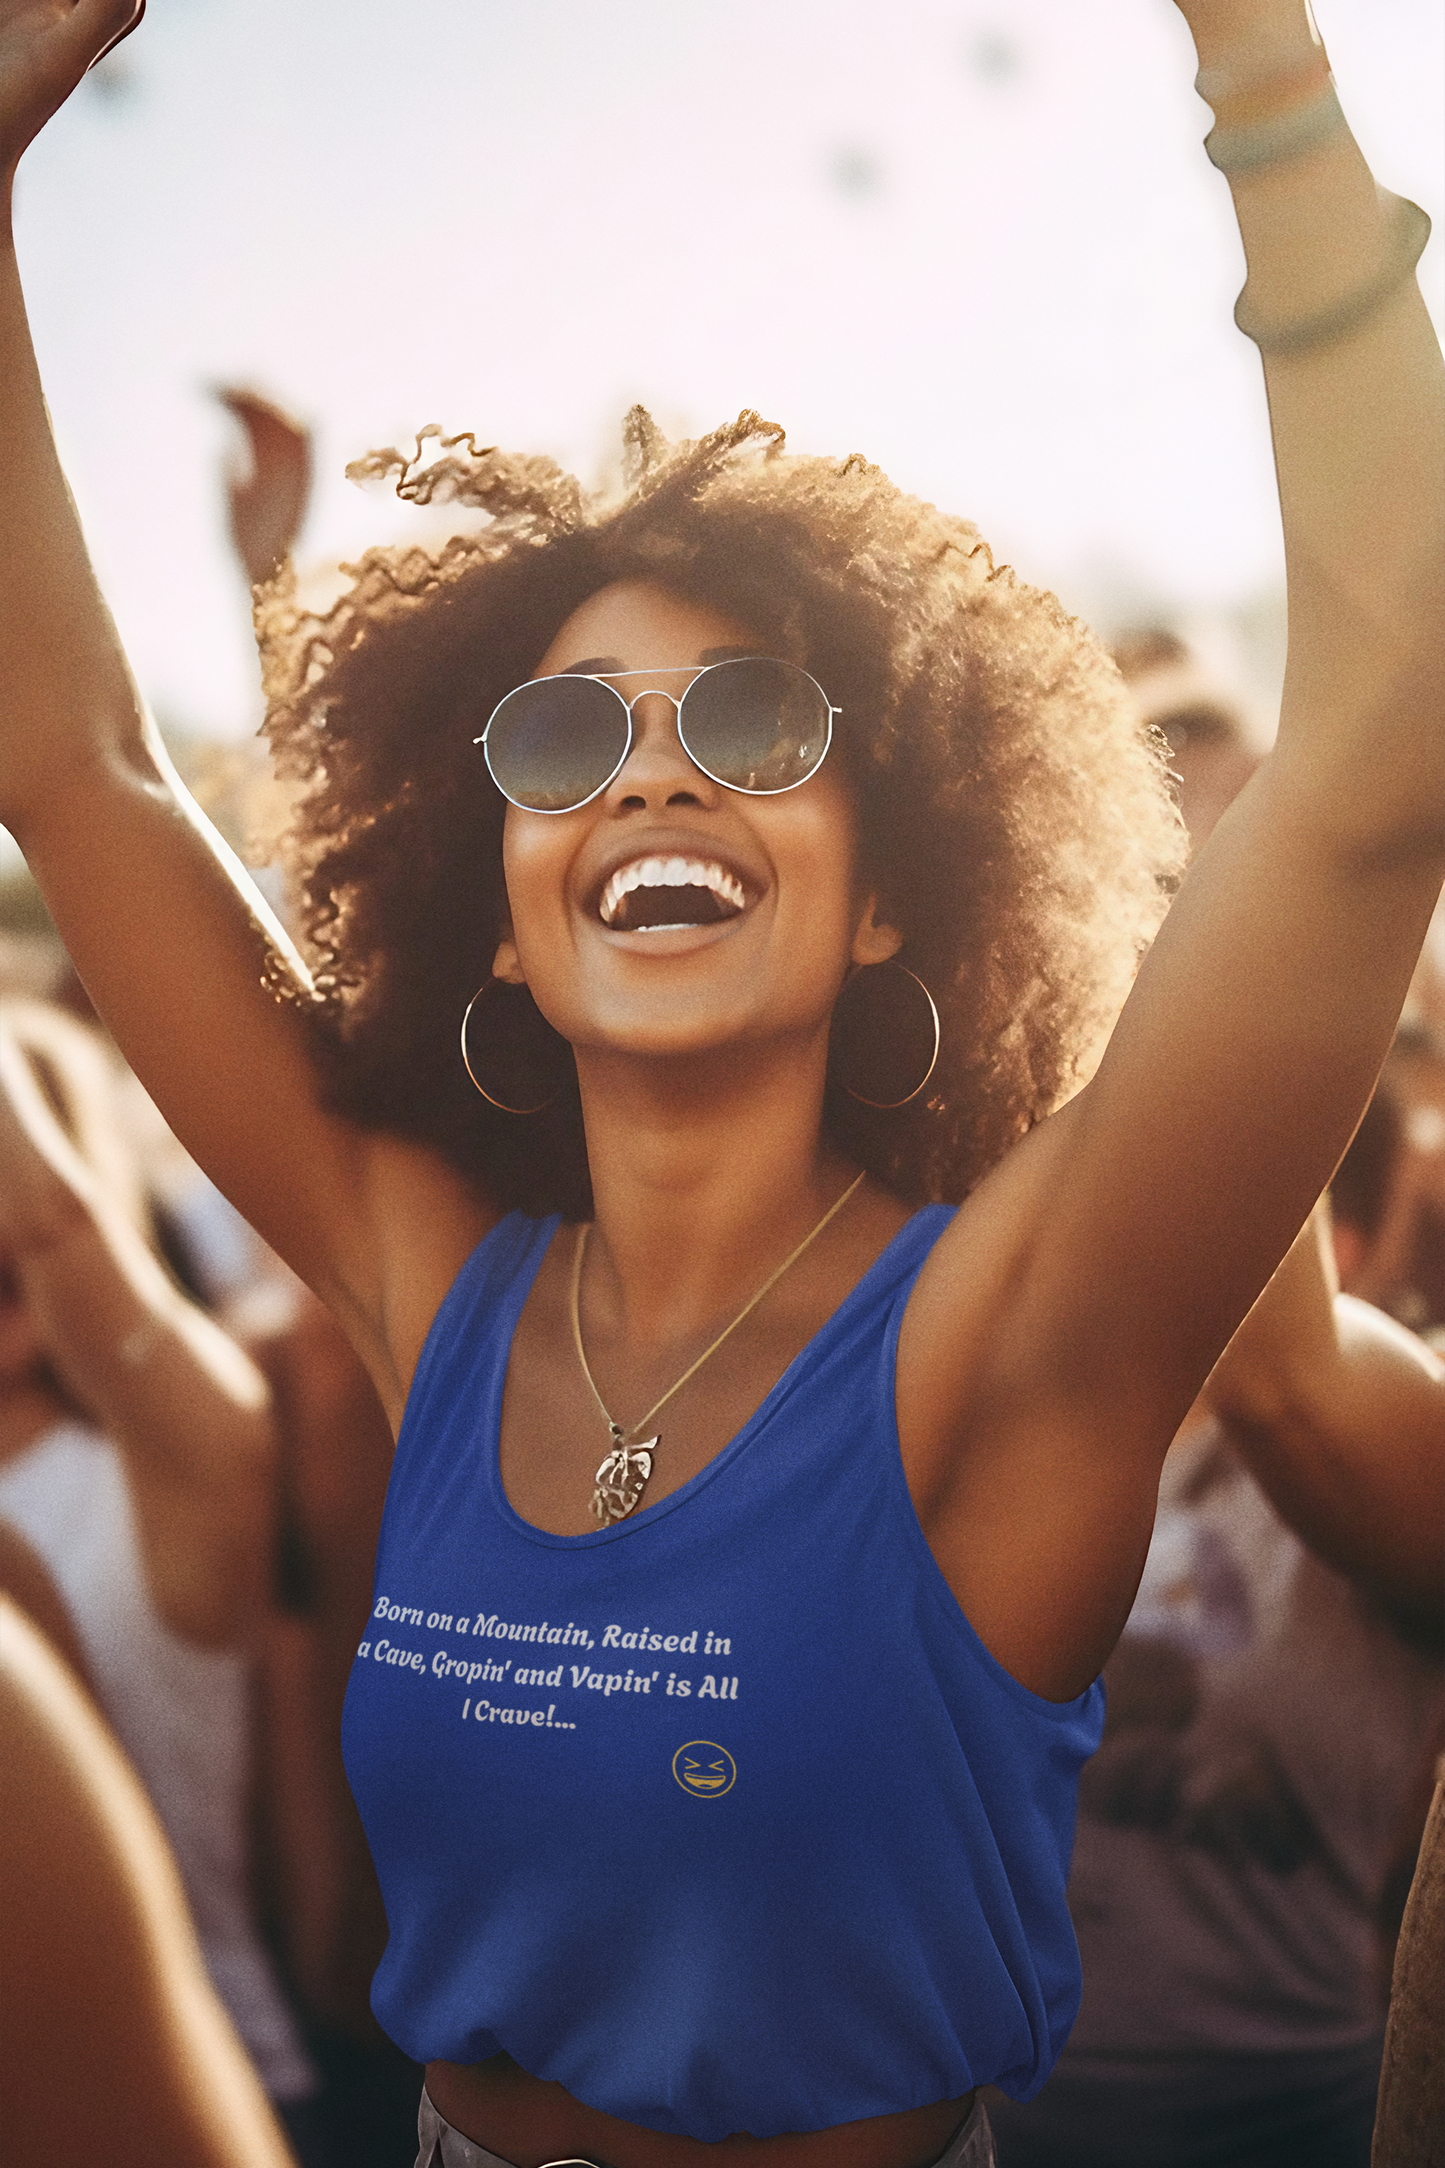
[[192, 1472]]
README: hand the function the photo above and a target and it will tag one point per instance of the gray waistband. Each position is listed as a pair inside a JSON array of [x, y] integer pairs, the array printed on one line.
[[443, 2147]]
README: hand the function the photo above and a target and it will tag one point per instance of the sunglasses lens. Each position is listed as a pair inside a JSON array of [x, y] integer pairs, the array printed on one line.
[[553, 744], [756, 724]]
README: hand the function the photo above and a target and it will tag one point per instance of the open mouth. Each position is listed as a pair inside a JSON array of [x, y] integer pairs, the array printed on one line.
[[660, 895]]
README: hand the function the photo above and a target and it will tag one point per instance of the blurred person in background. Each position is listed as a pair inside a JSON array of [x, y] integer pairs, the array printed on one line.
[[614, 1941], [114, 2046], [1213, 729], [1277, 1699], [137, 1471], [317, 1898], [1275, 1702]]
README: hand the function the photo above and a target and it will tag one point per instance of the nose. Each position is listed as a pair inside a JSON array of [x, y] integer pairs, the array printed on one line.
[[657, 770]]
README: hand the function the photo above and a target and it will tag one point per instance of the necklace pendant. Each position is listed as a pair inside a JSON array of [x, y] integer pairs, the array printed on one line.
[[621, 1480]]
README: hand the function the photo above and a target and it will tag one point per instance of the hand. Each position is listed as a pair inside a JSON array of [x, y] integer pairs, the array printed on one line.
[[46, 46], [267, 505]]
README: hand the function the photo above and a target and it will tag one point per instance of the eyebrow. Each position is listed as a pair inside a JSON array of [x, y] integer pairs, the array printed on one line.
[[614, 666]]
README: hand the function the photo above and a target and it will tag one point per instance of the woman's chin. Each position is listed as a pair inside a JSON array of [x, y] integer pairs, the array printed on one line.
[[671, 1036]]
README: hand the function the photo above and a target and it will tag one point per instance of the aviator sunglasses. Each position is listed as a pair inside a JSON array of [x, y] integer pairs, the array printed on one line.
[[750, 723]]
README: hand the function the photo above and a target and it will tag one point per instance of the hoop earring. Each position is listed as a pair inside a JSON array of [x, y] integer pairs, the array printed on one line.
[[893, 1022], [535, 1059]]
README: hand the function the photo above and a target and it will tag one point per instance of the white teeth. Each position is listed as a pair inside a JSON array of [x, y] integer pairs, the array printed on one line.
[[669, 873]]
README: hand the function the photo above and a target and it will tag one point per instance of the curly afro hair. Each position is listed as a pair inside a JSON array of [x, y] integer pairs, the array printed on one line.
[[1014, 817]]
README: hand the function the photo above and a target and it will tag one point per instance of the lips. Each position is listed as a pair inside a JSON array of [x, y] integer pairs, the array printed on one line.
[[654, 894]]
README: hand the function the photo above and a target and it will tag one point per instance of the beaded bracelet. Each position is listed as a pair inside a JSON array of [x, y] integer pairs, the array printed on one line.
[[1286, 135], [1306, 334]]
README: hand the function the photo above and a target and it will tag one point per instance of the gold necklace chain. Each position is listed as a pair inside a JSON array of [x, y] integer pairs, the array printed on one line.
[[622, 1477]]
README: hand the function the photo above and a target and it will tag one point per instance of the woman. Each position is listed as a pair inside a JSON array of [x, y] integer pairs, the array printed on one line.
[[805, 1927]]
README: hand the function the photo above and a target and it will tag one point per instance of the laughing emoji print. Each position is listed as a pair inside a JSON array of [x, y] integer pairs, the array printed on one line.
[[704, 1768]]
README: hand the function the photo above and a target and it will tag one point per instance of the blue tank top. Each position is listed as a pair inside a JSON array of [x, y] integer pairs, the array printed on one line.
[[722, 1817]]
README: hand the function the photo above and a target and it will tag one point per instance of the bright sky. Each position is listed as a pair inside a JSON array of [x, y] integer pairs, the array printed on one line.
[[975, 239]]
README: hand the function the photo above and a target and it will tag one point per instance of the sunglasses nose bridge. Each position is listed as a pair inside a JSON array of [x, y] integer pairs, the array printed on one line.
[[652, 692], [657, 737]]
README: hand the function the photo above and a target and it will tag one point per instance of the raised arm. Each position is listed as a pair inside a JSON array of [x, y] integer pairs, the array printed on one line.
[[1262, 1015], [176, 947], [1144, 1220], [190, 1412]]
